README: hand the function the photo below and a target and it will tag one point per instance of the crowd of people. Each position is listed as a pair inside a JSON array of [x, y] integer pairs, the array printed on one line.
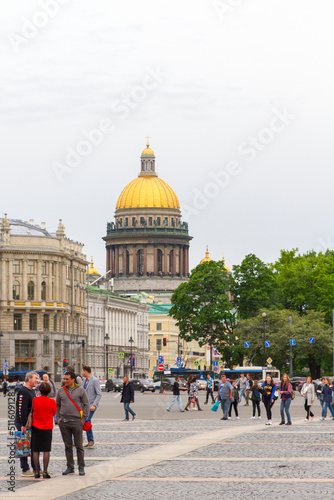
[[232, 392]]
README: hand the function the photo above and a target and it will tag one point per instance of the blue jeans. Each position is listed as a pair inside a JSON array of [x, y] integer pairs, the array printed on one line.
[[178, 399], [324, 409], [127, 409], [225, 404], [285, 405], [242, 393], [89, 433]]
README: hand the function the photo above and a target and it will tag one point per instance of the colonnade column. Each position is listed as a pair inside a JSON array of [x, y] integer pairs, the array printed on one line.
[[145, 260], [181, 261], [174, 260], [124, 260], [186, 263], [134, 263], [116, 260], [155, 269]]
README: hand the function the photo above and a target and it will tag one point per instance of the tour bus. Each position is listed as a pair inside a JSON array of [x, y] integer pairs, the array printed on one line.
[[256, 372]]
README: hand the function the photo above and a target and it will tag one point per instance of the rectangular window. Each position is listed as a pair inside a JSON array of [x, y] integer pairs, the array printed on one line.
[[133, 221], [45, 347], [24, 348], [53, 269], [17, 321], [46, 322], [126, 221], [120, 221], [16, 266], [158, 344], [150, 221], [55, 323], [67, 350], [142, 221], [43, 267], [158, 221], [33, 321], [57, 349], [31, 267], [159, 327]]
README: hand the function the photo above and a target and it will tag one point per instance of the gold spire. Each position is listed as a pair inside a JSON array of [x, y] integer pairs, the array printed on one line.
[[147, 151], [207, 256], [92, 269], [147, 141]]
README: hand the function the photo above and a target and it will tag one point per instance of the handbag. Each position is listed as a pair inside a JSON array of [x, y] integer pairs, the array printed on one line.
[[22, 444], [87, 425], [215, 406], [28, 425]]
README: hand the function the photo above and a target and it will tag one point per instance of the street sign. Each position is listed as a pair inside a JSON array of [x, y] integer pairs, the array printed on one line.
[[311, 340], [215, 352], [196, 363], [269, 361], [160, 360], [267, 343], [220, 363], [161, 368], [292, 342], [215, 368], [110, 370], [64, 371], [207, 363], [246, 344], [120, 355], [179, 362]]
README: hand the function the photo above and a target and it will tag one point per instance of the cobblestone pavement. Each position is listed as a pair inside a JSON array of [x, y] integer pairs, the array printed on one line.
[[253, 460]]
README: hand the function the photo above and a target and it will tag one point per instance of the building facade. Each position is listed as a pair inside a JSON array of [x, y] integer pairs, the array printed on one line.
[[43, 306], [117, 334], [147, 246]]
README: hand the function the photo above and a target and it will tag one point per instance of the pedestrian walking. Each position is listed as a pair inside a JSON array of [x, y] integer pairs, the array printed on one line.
[[18, 386], [327, 390], [176, 395], [225, 396], [320, 393], [242, 382], [255, 397], [209, 389], [249, 383], [308, 393], [128, 397], [94, 393], [193, 393], [268, 396], [234, 401], [43, 411], [72, 412], [4, 387], [285, 390], [25, 397]]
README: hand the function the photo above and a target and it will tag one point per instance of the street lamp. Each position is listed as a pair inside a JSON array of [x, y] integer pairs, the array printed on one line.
[[131, 366], [264, 338], [106, 338], [1, 335]]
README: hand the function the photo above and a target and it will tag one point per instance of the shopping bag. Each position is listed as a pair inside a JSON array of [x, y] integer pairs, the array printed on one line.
[[215, 406], [22, 443]]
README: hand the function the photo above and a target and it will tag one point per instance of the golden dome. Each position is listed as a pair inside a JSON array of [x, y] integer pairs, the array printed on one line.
[[147, 191], [207, 257], [92, 269], [147, 151]]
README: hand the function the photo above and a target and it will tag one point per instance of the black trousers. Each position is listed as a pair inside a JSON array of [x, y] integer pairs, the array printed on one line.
[[68, 429], [209, 392], [235, 406], [268, 405], [256, 405], [308, 410]]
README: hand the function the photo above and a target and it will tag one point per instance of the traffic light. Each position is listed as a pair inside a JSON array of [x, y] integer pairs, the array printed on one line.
[[64, 363], [164, 342]]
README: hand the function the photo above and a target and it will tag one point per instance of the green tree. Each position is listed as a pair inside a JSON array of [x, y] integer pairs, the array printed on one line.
[[203, 309], [253, 287], [276, 327]]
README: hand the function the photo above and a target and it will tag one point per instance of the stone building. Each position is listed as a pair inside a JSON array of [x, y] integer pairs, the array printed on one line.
[[116, 325], [42, 297], [147, 246]]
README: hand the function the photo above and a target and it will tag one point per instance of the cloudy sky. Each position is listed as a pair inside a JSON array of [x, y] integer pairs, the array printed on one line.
[[236, 96]]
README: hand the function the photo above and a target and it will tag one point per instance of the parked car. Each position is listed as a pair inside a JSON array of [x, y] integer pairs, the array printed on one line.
[[103, 385], [114, 385], [316, 383], [143, 385], [296, 381], [201, 384]]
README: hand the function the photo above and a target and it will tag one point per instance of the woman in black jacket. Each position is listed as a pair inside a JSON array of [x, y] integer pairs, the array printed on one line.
[[128, 396]]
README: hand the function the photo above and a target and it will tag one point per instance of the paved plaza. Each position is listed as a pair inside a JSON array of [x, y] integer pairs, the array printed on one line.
[[187, 455]]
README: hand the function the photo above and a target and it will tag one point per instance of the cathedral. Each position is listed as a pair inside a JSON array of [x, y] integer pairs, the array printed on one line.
[[147, 245]]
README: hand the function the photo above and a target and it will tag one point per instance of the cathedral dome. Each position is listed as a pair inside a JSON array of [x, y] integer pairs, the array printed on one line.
[[147, 192], [92, 269]]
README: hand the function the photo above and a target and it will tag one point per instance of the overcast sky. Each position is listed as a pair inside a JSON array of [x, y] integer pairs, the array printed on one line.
[[236, 96]]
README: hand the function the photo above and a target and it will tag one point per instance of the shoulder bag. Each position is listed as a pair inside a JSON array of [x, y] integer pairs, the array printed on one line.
[[87, 425]]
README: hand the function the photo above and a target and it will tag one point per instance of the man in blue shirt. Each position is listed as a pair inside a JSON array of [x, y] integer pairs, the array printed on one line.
[[209, 389], [225, 396]]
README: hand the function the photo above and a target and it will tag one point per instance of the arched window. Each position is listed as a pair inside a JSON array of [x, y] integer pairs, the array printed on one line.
[[140, 261], [159, 263], [16, 290], [31, 290], [43, 290], [170, 261]]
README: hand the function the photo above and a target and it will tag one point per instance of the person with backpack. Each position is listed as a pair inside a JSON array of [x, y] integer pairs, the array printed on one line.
[[286, 392], [255, 397], [327, 399]]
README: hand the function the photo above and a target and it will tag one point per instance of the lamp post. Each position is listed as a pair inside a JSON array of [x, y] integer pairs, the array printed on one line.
[[106, 338], [290, 359], [131, 366], [264, 338]]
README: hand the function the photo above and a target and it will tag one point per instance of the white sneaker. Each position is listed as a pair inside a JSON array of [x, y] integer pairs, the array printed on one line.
[[238, 418], [252, 418], [269, 422], [229, 418], [259, 418]]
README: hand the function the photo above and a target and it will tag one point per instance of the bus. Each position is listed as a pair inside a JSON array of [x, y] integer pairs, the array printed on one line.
[[184, 373], [256, 372]]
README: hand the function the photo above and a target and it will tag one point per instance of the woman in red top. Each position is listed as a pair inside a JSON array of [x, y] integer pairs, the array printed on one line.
[[43, 410]]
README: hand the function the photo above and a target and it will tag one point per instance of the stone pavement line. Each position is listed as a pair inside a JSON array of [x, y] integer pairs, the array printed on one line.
[[226, 480], [111, 469]]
